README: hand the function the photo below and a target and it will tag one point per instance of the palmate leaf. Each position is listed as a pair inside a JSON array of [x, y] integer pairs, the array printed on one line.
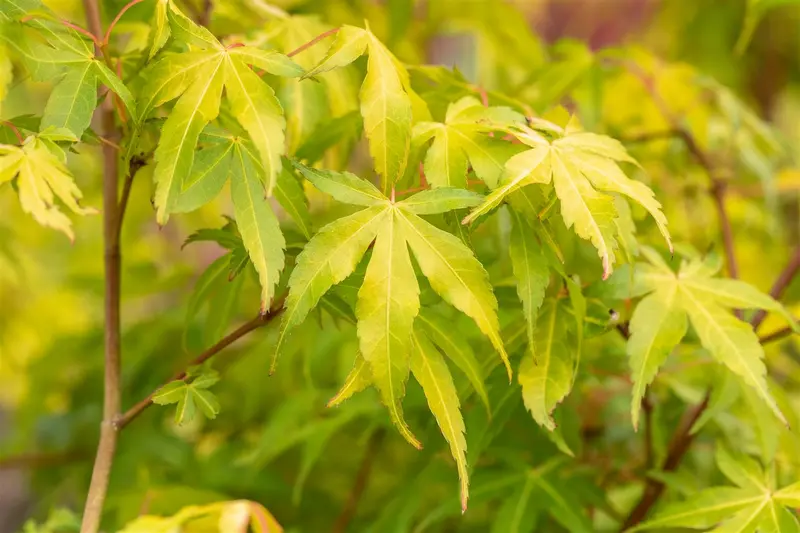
[[69, 62], [461, 141], [386, 98], [388, 300], [189, 396], [659, 321], [583, 168], [41, 177], [755, 505], [197, 79]]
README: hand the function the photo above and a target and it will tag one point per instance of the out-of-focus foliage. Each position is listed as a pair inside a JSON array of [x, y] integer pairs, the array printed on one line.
[[488, 229]]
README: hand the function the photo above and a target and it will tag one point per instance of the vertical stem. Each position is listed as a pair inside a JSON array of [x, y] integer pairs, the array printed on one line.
[[360, 484], [111, 399]]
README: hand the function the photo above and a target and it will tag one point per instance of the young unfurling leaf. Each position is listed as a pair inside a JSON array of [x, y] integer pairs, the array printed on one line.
[[189, 396]]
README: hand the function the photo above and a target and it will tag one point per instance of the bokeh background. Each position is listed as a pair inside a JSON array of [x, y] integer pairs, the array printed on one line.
[[51, 290]]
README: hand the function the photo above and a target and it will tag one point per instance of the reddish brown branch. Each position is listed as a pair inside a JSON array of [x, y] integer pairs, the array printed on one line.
[[101, 472], [360, 483], [312, 42], [678, 446], [776, 335], [244, 329], [205, 15], [784, 279]]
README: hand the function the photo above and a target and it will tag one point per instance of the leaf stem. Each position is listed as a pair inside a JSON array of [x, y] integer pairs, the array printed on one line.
[[122, 11], [776, 335], [244, 329], [312, 42], [10, 125]]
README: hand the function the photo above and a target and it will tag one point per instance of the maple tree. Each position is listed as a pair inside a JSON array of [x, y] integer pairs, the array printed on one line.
[[500, 282]]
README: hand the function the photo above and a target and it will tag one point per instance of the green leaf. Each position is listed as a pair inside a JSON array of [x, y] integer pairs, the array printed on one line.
[[741, 469], [545, 372], [456, 275], [6, 74], [174, 155], [388, 301], [532, 166], [439, 200], [184, 29], [705, 509], [160, 28], [72, 101], [359, 378], [580, 165], [530, 270], [657, 326], [41, 177], [268, 60], [459, 141], [350, 44], [703, 298], [255, 106], [110, 80], [326, 260], [289, 193], [257, 223], [588, 212], [456, 348], [519, 512], [210, 171], [386, 109], [189, 396], [343, 186], [433, 375]]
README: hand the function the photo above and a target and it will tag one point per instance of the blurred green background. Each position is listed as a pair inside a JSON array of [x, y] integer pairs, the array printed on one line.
[[537, 51]]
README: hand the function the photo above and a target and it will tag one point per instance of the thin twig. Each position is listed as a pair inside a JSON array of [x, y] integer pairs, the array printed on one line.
[[784, 279], [244, 329], [106, 448], [313, 41], [651, 136], [647, 408], [122, 11], [360, 483], [776, 335], [678, 446], [205, 15]]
